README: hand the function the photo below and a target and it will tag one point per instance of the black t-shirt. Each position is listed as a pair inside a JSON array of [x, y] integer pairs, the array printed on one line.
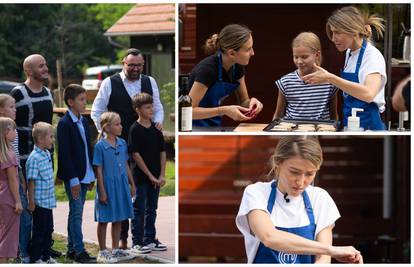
[[30, 108], [149, 143], [206, 72]]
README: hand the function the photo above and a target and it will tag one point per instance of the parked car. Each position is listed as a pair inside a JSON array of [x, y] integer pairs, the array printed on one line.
[[7, 86], [94, 76]]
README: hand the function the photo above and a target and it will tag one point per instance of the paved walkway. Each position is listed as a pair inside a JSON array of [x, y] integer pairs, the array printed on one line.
[[165, 226]]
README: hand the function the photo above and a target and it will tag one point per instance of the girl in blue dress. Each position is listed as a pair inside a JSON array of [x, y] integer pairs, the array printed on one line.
[[113, 194]]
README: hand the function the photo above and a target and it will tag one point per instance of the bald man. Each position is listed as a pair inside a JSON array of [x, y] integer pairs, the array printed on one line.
[[34, 103]]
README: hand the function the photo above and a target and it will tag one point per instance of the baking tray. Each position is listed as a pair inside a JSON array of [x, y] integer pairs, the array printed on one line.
[[334, 123]]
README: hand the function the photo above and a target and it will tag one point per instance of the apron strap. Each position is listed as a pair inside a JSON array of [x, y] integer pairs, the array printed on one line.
[[360, 56], [272, 198], [308, 207], [220, 67]]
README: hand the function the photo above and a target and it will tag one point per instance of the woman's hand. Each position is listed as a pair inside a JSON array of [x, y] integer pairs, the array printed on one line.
[[319, 76], [346, 254], [235, 112], [255, 106]]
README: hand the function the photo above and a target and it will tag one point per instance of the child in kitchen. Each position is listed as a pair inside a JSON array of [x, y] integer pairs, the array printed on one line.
[[298, 100]]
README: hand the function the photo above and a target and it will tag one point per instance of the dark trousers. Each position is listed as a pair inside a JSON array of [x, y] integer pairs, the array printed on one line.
[[42, 234], [145, 214]]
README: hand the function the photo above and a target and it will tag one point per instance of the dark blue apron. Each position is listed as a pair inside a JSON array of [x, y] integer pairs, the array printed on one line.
[[268, 255], [215, 95], [370, 118]]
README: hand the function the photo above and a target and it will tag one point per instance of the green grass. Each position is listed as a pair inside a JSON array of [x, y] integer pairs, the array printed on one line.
[[167, 190], [60, 244]]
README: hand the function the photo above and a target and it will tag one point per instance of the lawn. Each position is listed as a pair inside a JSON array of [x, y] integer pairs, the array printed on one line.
[[60, 244]]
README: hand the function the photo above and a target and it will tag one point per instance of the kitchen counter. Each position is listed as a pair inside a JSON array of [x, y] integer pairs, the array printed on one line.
[[258, 127]]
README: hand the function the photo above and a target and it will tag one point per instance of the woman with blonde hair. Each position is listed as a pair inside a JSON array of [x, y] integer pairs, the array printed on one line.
[[287, 220], [221, 74], [363, 77]]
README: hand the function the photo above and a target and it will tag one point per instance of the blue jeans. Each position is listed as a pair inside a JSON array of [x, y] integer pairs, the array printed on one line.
[[25, 231], [145, 214], [42, 234], [75, 236]]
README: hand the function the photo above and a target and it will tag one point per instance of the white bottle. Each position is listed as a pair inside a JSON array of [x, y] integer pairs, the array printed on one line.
[[353, 121]]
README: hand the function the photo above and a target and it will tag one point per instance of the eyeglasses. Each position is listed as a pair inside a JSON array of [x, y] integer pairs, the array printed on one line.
[[133, 66]]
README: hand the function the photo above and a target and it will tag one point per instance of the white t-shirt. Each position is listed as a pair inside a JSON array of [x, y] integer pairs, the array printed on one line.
[[372, 62], [288, 215]]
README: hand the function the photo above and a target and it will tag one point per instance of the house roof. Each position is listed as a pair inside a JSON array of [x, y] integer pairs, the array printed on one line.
[[145, 19]]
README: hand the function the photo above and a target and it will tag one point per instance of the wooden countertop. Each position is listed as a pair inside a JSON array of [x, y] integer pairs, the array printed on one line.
[[250, 127]]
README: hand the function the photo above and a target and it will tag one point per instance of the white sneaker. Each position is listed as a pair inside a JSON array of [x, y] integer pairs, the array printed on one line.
[[51, 261], [157, 246], [122, 255], [104, 256], [138, 250], [39, 261]]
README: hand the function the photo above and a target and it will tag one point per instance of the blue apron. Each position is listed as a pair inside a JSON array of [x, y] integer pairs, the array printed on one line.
[[370, 118], [268, 255], [215, 95]]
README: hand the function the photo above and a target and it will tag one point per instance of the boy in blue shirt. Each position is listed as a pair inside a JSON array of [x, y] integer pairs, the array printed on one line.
[[146, 144], [75, 167], [39, 173]]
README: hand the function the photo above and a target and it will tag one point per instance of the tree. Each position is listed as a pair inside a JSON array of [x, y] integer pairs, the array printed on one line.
[[72, 33]]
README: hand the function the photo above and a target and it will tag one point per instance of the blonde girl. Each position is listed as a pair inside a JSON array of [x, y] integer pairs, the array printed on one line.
[[363, 77], [8, 109], [113, 195], [10, 203], [287, 220], [298, 100]]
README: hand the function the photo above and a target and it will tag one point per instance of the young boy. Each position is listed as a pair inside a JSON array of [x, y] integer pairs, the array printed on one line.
[[75, 167], [39, 172], [146, 143]]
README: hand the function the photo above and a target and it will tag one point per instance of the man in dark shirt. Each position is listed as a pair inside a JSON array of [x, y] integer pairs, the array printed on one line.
[[34, 103]]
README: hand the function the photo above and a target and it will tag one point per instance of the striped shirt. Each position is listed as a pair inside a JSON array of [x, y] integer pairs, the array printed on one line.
[[15, 145], [39, 169], [305, 101]]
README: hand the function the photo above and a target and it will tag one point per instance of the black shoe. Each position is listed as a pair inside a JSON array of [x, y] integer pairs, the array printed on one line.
[[84, 257], [71, 255], [54, 253]]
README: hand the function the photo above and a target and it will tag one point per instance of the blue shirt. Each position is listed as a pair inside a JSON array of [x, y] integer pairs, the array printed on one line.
[[112, 159], [89, 175], [39, 168]]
